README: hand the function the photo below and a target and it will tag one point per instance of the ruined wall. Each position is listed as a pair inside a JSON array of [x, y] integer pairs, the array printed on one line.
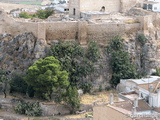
[[10, 25], [61, 30]]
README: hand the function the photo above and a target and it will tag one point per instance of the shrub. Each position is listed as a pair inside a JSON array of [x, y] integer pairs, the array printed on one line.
[[28, 108], [100, 88], [24, 15], [108, 88], [18, 84], [71, 99], [43, 14], [86, 87], [120, 62], [141, 39]]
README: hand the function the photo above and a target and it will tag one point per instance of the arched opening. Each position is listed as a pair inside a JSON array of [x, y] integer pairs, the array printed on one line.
[[102, 9]]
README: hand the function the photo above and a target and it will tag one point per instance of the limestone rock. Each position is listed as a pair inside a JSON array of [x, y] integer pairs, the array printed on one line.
[[19, 52]]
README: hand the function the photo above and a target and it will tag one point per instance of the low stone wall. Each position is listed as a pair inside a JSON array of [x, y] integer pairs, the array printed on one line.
[[8, 105], [49, 110]]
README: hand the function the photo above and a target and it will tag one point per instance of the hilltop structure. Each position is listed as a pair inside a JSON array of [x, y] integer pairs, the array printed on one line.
[[100, 21]]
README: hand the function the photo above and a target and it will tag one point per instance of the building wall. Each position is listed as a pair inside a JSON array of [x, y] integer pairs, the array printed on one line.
[[94, 5], [108, 113], [74, 5]]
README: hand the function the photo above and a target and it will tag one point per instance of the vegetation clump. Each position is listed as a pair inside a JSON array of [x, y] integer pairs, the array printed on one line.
[[77, 61], [46, 77], [28, 108], [121, 65], [42, 14]]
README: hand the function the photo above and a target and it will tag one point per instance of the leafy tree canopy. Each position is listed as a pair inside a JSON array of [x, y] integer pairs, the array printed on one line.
[[120, 62], [46, 76], [77, 61], [71, 98]]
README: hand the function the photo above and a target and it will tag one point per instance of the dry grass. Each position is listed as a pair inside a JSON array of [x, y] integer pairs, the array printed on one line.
[[76, 116], [98, 97], [131, 21]]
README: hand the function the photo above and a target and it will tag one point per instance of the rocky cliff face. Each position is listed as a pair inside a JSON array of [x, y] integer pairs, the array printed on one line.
[[19, 52], [146, 57]]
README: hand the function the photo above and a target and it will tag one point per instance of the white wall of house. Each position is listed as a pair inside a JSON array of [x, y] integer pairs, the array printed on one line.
[[154, 0], [156, 7]]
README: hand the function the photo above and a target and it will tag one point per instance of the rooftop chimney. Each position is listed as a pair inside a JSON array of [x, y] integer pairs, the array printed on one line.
[[134, 111], [136, 102], [151, 88], [111, 99]]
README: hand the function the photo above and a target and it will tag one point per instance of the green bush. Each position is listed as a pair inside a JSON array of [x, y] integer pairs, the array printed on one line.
[[0, 106], [86, 87], [100, 88], [71, 99], [28, 108], [42, 14], [108, 88], [18, 84], [141, 39], [24, 15], [120, 62]]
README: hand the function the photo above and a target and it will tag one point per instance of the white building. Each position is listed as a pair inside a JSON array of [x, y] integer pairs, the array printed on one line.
[[146, 88], [153, 5]]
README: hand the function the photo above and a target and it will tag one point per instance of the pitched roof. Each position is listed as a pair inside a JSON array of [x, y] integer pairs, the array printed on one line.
[[128, 105]]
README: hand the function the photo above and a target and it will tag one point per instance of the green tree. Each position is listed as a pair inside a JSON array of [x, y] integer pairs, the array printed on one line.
[[120, 62], [46, 77], [4, 79], [77, 61], [71, 98], [93, 52], [18, 84]]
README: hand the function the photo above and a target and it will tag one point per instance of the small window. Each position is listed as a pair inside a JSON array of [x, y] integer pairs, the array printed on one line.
[[150, 6], [102, 9], [145, 6], [66, 9], [155, 8]]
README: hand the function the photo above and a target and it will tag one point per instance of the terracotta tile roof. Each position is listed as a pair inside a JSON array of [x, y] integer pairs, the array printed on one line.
[[157, 110], [128, 105], [146, 118], [146, 86]]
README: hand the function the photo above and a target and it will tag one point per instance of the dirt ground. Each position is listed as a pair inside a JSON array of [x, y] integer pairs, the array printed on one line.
[[98, 97]]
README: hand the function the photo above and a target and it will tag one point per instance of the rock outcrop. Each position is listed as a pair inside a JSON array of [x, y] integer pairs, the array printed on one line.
[[19, 52]]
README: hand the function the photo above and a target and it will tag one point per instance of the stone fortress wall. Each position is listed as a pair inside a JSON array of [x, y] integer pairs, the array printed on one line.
[[66, 30], [80, 30]]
